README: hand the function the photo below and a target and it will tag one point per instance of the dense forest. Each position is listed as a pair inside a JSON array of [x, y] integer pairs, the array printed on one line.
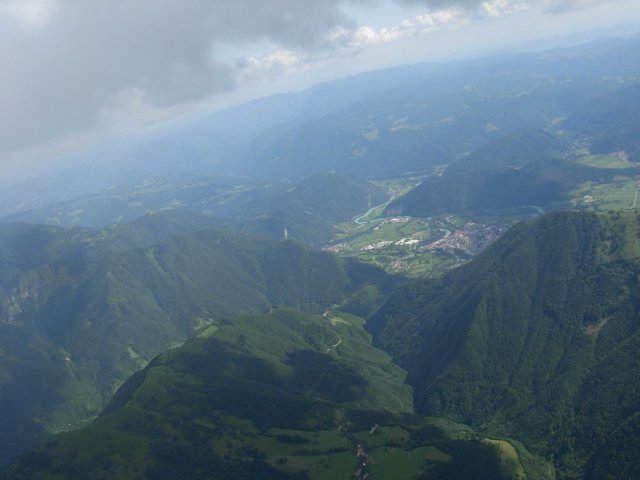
[[529, 340]]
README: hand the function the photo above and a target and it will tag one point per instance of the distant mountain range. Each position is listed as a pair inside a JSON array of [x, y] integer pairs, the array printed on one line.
[[376, 125], [444, 114], [307, 209], [611, 123], [527, 167]]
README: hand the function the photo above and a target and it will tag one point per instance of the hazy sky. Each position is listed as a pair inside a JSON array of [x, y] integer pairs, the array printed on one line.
[[71, 68]]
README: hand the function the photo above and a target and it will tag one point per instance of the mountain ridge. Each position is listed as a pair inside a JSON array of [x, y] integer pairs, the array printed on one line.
[[97, 319], [509, 342]]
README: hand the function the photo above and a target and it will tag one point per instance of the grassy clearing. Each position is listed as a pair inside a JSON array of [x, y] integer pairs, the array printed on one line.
[[632, 235], [208, 331], [624, 243], [335, 321], [611, 160], [433, 454], [617, 195], [391, 463], [509, 459], [81, 403], [332, 454]]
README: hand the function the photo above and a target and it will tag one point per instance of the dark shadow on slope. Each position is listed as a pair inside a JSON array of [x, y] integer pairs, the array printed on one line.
[[245, 386], [319, 375], [31, 374]]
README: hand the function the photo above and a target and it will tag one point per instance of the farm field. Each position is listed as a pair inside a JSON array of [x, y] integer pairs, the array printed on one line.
[[419, 247], [386, 452], [617, 195], [610, 160]]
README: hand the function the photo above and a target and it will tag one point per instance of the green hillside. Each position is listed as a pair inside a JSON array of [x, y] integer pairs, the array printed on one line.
[[534, 339], [546, 183], [308, 209], [131, 199], [75, 327], [283, 395], [611, 123], [34, 381], [25, 246], [514, 150]]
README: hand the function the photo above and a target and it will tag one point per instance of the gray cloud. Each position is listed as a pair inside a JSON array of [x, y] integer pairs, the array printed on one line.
[[437, 4], [563, 6], [551, 6], [66, 62], [67, 65]]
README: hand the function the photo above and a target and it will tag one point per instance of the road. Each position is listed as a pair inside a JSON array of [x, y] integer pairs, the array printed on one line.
[[333, 347]]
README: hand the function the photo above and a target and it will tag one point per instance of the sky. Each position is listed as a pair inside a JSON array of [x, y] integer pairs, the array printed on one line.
[[73, 71]]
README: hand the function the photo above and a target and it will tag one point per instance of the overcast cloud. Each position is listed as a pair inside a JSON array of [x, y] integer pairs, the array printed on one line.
[[66, 63], [483, 5], [70, 65]]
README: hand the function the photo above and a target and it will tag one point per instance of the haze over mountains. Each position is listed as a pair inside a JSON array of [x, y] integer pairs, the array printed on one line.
[[421, 117], [171, 308]]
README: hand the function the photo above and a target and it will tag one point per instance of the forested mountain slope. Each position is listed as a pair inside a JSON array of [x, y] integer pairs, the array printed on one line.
[[516, 149], [284, 395], [536, 338], [611, 123], [80, 313], [308, 209], [544, 183]]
